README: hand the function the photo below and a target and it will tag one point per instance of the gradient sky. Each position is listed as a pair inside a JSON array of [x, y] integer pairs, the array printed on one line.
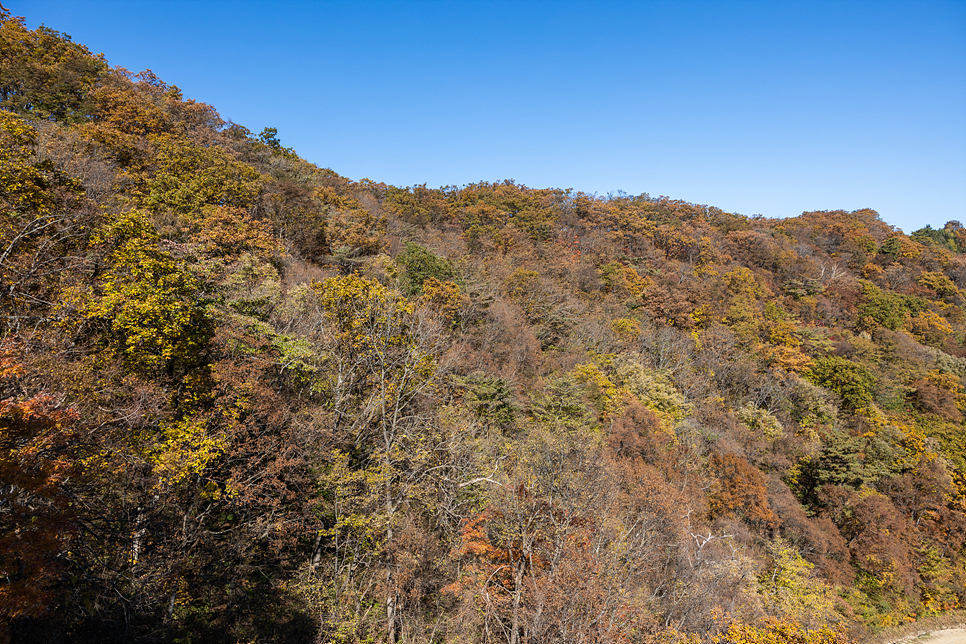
[[770, 108]]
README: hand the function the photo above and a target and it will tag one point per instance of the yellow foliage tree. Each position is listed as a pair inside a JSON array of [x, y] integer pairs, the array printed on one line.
[[789, 588], [150, 305], [930, 328]]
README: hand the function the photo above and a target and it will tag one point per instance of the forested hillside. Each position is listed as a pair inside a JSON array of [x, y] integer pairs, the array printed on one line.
[[246, 399]]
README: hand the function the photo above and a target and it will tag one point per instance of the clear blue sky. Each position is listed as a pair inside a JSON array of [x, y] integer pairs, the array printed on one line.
[[759, 107]]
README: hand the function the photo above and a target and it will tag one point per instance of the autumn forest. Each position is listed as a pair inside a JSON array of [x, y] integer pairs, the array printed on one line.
[[246, 399]]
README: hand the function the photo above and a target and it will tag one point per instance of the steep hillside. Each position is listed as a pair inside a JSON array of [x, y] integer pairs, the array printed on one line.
[[245, 399]]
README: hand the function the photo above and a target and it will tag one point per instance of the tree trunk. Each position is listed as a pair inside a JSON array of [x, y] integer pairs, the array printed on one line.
[[517, 595]]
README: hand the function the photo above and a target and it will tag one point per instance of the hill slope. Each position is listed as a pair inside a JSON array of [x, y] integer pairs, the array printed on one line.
[[243, 398]]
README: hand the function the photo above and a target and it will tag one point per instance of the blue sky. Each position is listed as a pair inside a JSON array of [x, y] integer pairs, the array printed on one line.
[[770, 108]]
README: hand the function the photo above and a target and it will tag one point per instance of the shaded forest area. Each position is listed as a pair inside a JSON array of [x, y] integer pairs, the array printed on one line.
[[245, 399]]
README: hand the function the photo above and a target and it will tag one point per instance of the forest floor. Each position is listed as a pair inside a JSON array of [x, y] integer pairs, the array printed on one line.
[[944, 628], [946, 636]]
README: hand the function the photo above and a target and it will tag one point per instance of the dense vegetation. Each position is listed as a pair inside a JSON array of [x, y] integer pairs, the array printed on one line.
[[245, 399]]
